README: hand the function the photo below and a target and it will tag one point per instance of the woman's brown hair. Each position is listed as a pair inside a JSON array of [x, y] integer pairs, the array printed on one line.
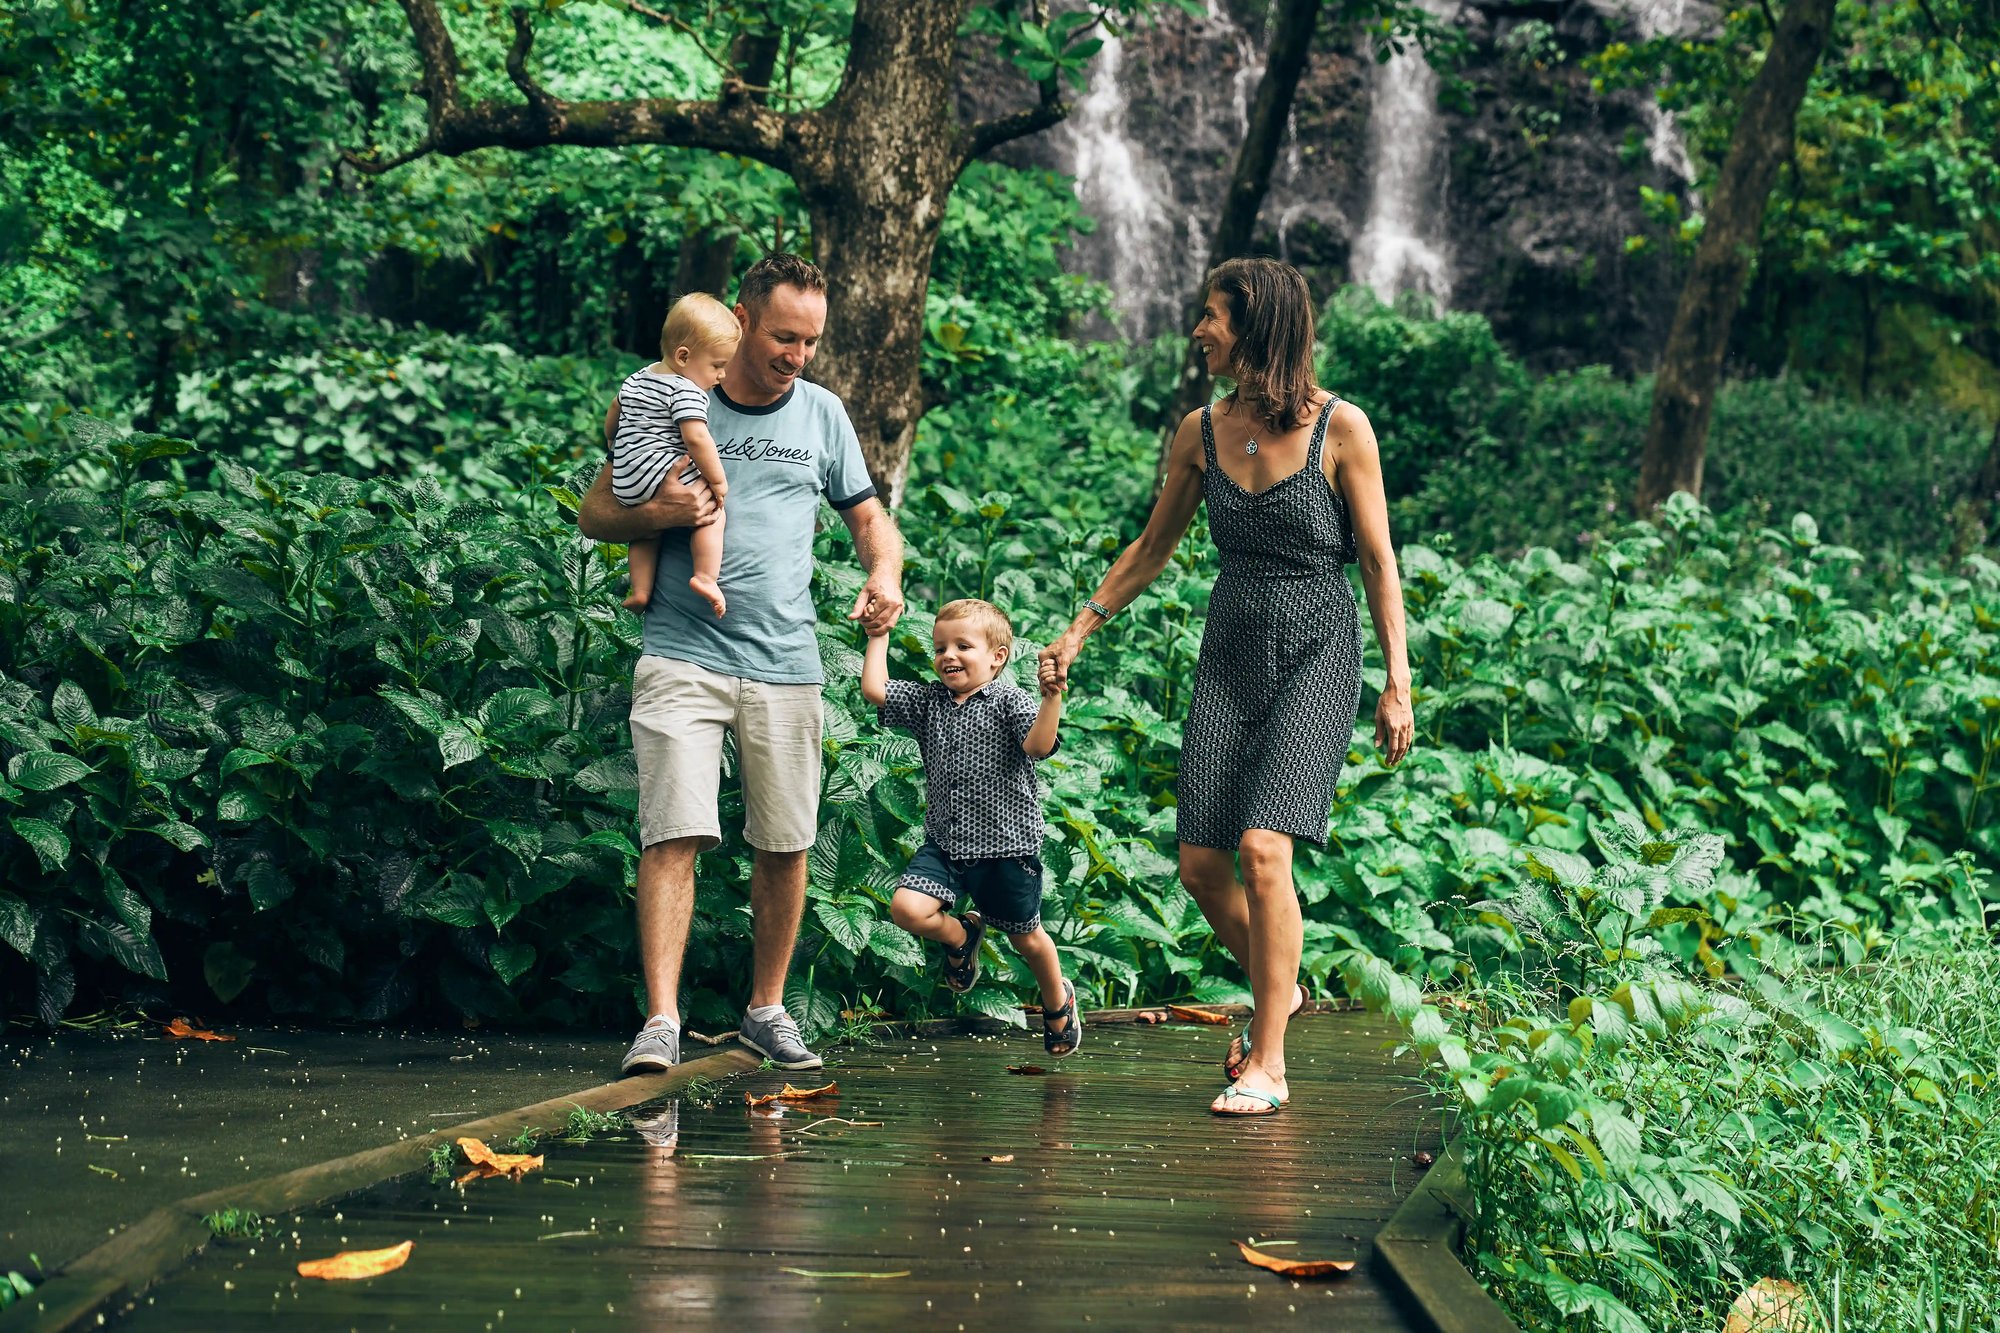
[[1271, 314]]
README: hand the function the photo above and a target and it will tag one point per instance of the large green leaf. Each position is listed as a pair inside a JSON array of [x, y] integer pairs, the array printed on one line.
[[45, 770], [51, 844], [228, 970]]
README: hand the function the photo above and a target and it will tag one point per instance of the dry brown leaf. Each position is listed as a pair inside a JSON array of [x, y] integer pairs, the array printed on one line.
[[1150, 1016], [1026, 1069], [1000, 1157], [180, 1028], [1770, 1305], [791, 1094], [1188, 1013], [358, 1263], [1296, 1267], [486, 1162]]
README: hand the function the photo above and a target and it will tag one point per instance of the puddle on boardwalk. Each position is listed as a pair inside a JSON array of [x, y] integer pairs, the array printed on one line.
[[1119, 1207]]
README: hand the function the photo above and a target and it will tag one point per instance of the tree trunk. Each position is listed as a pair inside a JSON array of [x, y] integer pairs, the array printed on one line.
[[875, 168], [1976, 516], [1684, 391], [1289, 49]]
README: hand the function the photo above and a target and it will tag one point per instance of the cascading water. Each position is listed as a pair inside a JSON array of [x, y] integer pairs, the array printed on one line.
[[1134, 245], [1658, 18], [1402, 244]]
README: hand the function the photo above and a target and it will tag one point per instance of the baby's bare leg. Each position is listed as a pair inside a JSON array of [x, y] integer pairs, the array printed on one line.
[[706, 548], [643, 557]]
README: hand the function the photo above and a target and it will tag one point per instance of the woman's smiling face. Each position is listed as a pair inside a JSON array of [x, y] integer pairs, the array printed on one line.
[[1214, 336]]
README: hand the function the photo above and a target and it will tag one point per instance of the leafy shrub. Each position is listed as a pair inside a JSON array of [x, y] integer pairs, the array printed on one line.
[[372, 400]]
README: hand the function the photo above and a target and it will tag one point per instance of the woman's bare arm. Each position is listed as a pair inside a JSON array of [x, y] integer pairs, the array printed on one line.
[[1141, 562], [1357, 462]]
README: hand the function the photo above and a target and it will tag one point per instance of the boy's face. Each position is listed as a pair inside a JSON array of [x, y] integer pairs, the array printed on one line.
[[704, 365], [965, 656]]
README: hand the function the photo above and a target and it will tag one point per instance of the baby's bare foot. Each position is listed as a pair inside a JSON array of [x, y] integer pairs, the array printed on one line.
[[638, 601], [709, 593]]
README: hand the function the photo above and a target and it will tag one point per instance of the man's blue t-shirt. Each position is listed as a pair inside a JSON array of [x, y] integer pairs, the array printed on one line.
[[780, 459]]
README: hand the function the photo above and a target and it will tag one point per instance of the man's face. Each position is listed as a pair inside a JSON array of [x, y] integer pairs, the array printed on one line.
[[779, 339]]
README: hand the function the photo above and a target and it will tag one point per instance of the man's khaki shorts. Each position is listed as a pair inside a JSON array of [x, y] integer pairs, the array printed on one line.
[[679, 712]]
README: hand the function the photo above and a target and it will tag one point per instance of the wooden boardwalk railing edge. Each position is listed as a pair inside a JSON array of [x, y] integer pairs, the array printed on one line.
[[1417, 1250]]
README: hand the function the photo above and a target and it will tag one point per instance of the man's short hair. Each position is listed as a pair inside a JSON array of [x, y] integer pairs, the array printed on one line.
[[778, 269], [991, 619]]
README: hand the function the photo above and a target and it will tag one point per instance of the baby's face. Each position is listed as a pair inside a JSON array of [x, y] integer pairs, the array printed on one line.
[[964, 656], [705, 365]]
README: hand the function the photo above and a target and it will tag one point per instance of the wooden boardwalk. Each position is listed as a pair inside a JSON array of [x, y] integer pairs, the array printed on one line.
[[1119, 1209]]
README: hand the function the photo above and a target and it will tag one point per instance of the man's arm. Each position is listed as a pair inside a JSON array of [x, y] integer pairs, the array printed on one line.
[[880, 548], [674, 504]]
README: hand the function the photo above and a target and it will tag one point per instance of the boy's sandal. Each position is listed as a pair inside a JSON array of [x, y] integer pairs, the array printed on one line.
[[1233, 1069], [1071, 1036], [1273, 1104], [961, 965]]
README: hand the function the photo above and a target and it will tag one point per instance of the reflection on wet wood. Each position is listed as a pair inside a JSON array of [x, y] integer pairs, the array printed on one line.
[[1121, 1205]]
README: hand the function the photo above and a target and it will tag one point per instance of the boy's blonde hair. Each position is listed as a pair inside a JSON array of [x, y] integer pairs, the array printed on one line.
[[988, 617], [697, 321]]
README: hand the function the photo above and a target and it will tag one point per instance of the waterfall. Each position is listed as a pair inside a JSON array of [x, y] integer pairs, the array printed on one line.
[[1134, 245], [1402, 244], [1658, 18]]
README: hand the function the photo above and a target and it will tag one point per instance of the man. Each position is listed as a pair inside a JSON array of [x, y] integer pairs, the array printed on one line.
[[784, 443]]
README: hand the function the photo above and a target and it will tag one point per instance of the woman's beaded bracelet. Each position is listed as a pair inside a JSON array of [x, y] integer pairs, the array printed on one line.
[[1103, 611]]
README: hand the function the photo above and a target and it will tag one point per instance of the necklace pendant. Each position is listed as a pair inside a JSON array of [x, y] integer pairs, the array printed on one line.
[[1250, 448]]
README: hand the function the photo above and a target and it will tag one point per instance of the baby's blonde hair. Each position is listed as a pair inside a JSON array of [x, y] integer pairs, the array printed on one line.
[[697, 321], [986, 616]]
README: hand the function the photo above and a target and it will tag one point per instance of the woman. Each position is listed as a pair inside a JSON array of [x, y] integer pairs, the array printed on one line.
[[1293, 482]]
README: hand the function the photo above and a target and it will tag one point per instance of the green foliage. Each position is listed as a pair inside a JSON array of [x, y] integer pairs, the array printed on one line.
[[1474, 447], [440, 1162], [235, 1224], [14, 1286]]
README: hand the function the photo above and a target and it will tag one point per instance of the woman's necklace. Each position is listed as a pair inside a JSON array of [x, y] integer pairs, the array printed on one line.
[[1251, 446]]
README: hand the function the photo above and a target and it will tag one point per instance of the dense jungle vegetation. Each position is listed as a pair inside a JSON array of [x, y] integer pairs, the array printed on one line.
[[312, 700]]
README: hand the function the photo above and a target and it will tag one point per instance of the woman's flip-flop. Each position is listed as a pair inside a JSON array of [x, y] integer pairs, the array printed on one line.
[[1234, 1070], [1273, 1104]]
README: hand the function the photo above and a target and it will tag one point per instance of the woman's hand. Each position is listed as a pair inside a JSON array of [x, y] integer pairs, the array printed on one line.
[[1053, 669], [1395, 724]]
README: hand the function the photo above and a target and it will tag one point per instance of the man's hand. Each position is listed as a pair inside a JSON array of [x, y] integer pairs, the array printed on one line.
[[675, 504], [878, 606]]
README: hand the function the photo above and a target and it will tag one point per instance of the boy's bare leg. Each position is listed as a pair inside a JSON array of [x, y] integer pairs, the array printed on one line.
[[777, 902], [666, 905], [1038, 951], [706, 548], [927, 918], [643, 557]]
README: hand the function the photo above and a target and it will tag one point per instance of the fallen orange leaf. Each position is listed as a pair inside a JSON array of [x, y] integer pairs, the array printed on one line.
[[791, 1094], [1296, 1267], [1151, 1016], [358, 1263], [1000, 1157], [180, 1028], [1192, 1015], [1026, 1069], [489, 1163]]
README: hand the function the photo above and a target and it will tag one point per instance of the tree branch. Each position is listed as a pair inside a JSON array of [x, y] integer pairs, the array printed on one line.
[[681, 25], [454, 126], [988, 135]]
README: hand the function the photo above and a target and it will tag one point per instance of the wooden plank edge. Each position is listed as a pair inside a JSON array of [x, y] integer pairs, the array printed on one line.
[[1417, 1248], [90, 1289]]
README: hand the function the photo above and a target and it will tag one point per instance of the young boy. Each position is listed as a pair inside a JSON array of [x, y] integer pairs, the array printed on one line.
[[662, 419], [980, 737]]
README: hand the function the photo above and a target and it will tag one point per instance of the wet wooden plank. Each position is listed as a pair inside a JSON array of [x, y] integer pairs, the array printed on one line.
[[1120, 1206]]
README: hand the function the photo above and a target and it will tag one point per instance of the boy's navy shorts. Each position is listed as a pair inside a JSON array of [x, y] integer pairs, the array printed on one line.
[[1006, 889]]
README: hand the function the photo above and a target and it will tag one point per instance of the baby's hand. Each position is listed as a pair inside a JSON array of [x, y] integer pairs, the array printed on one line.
[[720, 487]]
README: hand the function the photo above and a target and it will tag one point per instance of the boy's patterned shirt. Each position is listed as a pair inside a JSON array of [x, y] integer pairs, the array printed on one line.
[[979, 783]]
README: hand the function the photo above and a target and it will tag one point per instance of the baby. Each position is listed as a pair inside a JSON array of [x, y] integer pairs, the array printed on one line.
[[662, 419], [980, 737]]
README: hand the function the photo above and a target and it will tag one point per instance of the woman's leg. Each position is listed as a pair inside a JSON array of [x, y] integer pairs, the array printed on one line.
[[1210, 876], [1276, 936]]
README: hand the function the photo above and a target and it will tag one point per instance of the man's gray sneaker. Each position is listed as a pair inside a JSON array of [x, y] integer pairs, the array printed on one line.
[[777, 1040], [657, 1047]]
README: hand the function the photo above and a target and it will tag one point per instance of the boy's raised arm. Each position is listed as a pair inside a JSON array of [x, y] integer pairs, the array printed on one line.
[[875, 670], [1040, 742]]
